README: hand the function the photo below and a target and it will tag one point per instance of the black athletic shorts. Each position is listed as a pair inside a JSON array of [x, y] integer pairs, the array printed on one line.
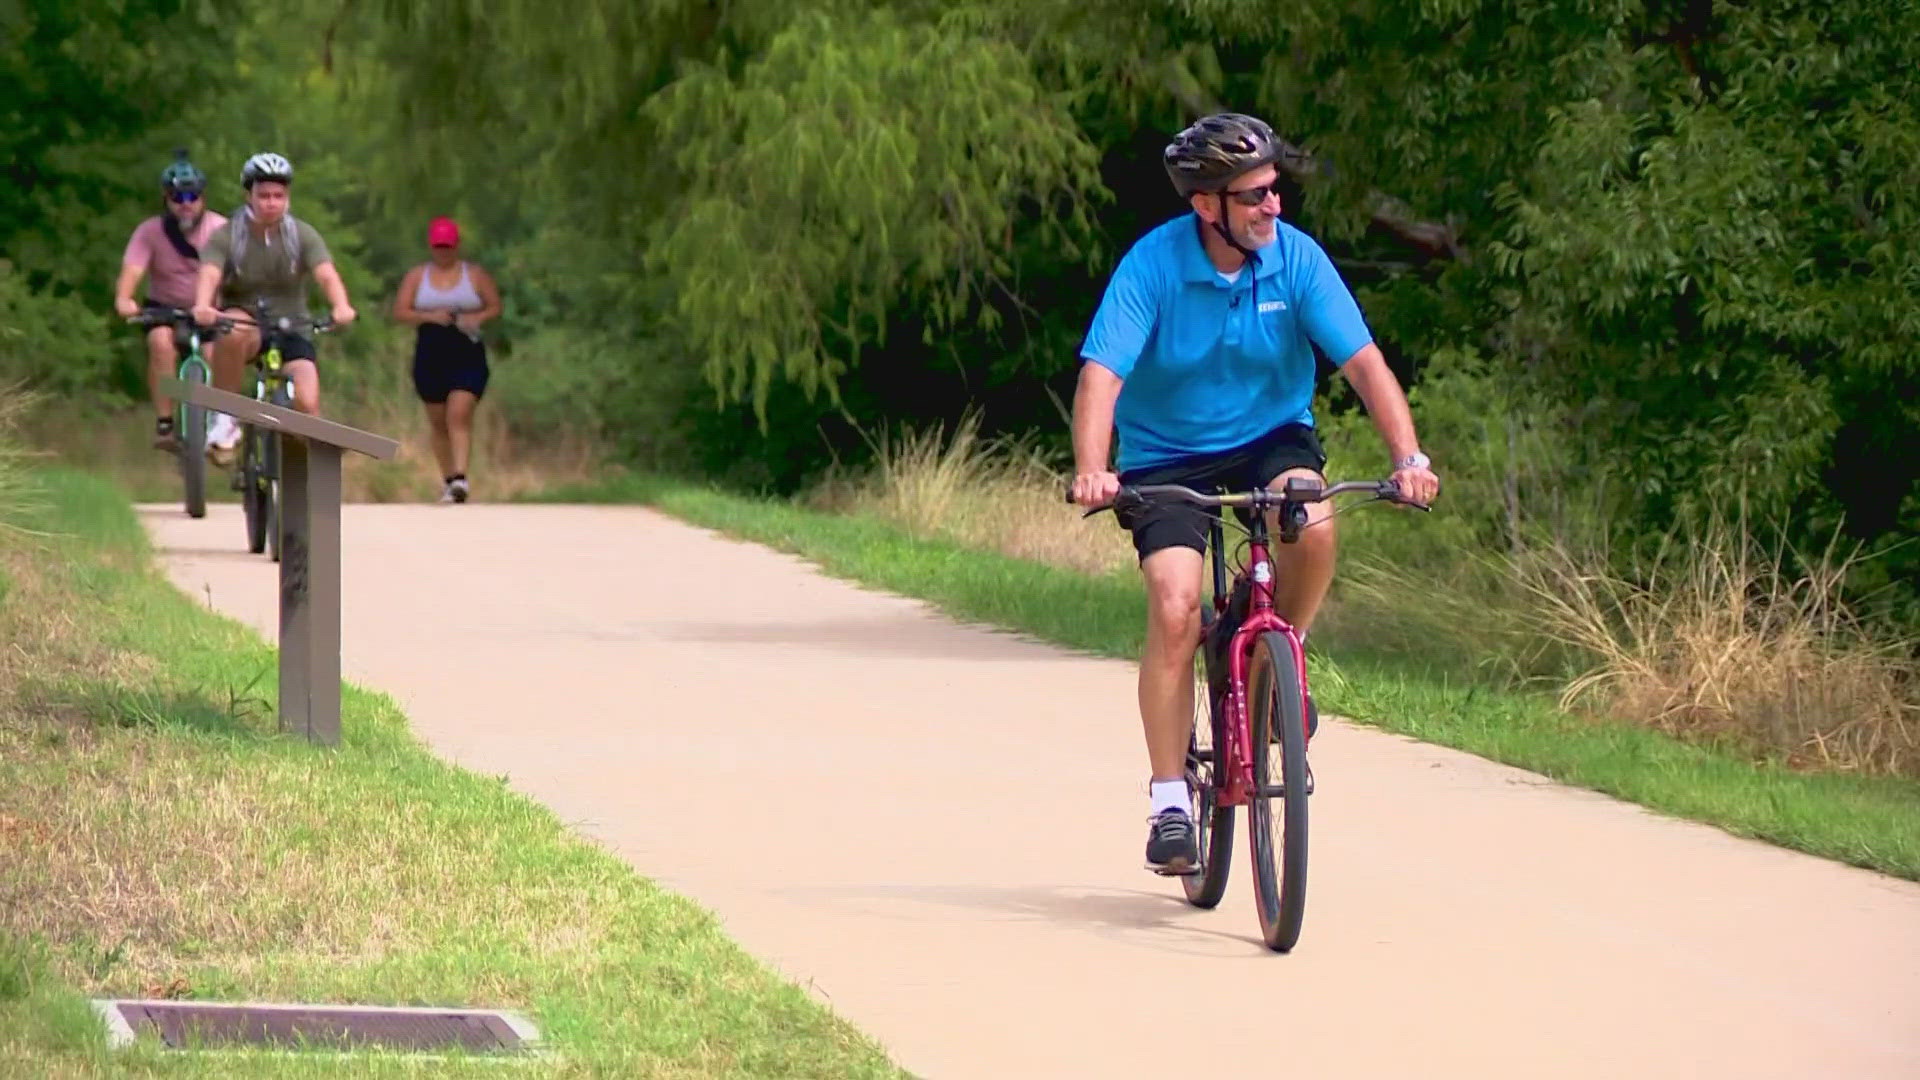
[[296, 347], [1166, 523], [445, 359], [292, 346]]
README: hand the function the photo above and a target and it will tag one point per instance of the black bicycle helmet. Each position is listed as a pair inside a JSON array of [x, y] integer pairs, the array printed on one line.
[[1214, 150], [181, 175]]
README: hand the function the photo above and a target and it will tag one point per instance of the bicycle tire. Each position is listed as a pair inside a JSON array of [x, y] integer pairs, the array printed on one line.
[[1279, 856], [1213, 824], [283, 397], [273, 520], [192, 434], [252, 496]]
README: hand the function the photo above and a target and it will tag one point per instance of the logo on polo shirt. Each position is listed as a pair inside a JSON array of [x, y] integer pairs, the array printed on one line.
[[1272, 305]]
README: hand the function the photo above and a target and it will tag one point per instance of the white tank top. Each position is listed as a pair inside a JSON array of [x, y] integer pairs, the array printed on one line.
[[462, 297]]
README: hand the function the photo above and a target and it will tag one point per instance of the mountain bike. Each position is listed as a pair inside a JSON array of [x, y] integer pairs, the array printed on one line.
[[258, 477], [1250, 691], [189, 420]]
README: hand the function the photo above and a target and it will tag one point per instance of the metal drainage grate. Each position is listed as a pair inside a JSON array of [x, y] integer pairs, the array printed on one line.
[[211, 1025]]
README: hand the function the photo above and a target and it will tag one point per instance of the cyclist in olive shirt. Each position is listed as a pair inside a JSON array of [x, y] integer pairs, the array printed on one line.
[[265, 252]]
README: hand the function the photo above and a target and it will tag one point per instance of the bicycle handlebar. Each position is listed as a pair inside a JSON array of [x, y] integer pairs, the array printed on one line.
[[320, 324], [151, 316], [1298, 490], [164, 316]]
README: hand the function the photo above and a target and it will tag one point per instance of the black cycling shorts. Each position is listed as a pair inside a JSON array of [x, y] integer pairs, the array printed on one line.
[[445, 359], [1165, 523]]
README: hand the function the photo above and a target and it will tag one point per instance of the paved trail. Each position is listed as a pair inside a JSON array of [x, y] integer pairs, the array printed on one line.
[[939, 828]]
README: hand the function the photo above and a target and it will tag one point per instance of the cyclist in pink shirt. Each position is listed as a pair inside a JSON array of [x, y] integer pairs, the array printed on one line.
[[166, 248]]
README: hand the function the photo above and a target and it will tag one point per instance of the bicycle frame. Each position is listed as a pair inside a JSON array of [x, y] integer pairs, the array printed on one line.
[[267, 375], [195, 356], [1233, 763], [190, 341], [266, 362], [1234, 775]]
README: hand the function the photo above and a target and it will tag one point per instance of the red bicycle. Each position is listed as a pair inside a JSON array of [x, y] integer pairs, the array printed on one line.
[[1251, 691]]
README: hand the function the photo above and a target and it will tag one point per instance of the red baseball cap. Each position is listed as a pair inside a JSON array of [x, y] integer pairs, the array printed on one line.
[[443, 232]]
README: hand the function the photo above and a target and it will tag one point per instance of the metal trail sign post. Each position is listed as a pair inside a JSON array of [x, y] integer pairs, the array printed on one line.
[[311, 450]]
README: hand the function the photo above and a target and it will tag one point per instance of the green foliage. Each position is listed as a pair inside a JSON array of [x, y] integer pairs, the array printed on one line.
[[92, 93], [1638, 258], [49, 342], [858, 162]]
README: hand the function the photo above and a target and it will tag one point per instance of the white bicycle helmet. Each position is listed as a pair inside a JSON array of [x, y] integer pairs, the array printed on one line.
[[266, 166]]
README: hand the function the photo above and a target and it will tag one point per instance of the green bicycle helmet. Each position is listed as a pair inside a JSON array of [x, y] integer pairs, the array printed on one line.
[[181, 175]]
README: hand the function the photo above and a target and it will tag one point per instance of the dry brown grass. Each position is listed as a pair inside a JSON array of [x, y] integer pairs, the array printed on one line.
[[18, 493], [991, 494], [503, 464], [1716, 638], [146, 855], [1718, 641], [94, 854]]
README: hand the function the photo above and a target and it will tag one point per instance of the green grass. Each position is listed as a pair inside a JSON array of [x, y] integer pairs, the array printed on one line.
[[1865, 821], [159, 836]]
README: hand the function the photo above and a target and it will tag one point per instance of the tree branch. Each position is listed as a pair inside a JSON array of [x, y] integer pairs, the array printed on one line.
[[326, 40]]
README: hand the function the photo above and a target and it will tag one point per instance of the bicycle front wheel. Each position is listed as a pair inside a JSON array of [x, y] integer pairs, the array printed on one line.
[[1277, 832], [283, 397], [1213, 823], [253, 489], [191, 429]]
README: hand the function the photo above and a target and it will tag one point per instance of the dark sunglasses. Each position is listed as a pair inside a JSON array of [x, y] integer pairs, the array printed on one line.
[[184, 196], [1254, 196]]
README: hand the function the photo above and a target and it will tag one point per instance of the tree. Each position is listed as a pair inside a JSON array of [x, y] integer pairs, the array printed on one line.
[[92, 97]]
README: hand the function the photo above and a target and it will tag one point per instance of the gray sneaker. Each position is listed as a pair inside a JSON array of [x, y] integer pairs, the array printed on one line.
[[1172, 847]]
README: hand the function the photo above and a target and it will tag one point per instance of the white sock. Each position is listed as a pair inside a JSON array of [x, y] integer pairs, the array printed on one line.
[[1169, 795]]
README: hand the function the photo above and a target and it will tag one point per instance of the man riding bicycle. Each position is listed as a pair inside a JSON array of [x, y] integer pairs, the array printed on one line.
[[166, 248], [265, 253], [1201, 355]]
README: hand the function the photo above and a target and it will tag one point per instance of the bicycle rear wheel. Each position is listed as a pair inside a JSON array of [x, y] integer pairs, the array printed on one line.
[[192, 435], [1213, 823], [1277, 833]]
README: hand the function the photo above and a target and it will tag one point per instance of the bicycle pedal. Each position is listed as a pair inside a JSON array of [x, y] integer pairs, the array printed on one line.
[[1192, 870]]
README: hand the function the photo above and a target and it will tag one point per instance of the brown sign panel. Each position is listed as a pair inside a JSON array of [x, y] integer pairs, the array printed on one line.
[[288, 421]]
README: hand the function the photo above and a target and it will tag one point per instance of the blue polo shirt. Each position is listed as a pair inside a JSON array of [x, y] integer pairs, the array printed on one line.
[[1202, 370]]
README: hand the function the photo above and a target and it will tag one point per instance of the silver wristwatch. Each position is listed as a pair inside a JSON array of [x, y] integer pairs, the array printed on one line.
[[1415, 460]]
